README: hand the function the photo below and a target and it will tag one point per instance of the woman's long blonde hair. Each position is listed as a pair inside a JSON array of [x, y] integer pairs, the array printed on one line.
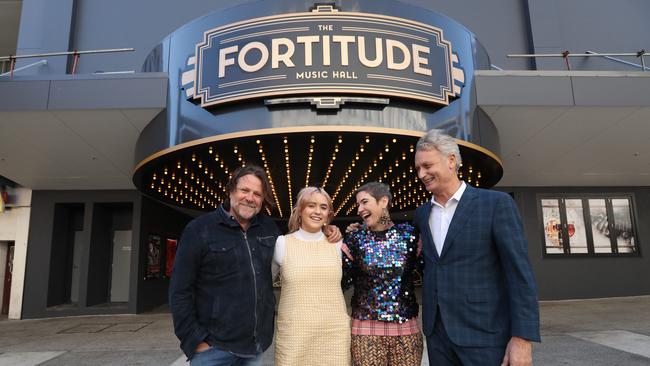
[[301, 202]]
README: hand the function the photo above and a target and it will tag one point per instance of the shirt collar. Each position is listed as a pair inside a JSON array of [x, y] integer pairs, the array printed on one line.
[[456, 196], [310, 236], [233, 221]]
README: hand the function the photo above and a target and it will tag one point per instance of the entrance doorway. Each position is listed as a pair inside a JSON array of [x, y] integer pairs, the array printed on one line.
[[8, 265], [121, 267]]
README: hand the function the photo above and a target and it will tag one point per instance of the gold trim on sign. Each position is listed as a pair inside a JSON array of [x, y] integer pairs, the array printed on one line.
[[306, 129], [290, 90]]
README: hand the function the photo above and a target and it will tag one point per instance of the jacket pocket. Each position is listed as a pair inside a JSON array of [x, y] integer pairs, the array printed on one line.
[[221, 247], [267, 241], [480, 295], [222, 257]]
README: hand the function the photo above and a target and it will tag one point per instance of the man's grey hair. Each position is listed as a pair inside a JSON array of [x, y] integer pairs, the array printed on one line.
[[445, 144]]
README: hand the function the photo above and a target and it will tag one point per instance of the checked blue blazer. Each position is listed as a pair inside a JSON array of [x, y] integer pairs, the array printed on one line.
[[482, 282]]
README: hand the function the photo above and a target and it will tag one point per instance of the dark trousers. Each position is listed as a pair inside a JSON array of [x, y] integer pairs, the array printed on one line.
[[443, 352]]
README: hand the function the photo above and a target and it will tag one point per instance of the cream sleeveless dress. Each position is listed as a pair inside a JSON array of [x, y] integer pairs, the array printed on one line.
[[313, 327]]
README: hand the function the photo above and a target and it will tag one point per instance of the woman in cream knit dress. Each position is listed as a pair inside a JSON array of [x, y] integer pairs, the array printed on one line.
[[313, 327]]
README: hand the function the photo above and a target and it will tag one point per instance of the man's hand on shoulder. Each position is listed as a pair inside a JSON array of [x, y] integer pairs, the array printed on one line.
[[519, 352], [332, 233]]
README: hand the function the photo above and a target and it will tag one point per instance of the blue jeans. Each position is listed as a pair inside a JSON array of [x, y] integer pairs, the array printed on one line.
[[216, 357]]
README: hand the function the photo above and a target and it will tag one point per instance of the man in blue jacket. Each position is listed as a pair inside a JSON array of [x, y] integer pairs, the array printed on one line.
[[221, 292], [479, 294]]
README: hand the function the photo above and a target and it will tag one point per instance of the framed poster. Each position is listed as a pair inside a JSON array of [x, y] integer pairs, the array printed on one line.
[[599, 225], [152, 268], [623, 230], [575, 226], [170, 255], [589, 224], [552, 226]]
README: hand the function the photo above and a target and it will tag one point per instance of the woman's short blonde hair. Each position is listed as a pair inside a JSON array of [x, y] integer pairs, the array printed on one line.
[[301, 202]]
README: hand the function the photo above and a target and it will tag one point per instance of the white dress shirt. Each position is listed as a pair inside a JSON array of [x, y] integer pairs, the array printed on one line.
[[441, 216]]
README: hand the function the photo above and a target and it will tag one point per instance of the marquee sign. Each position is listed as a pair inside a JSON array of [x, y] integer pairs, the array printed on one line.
[[323, 51]]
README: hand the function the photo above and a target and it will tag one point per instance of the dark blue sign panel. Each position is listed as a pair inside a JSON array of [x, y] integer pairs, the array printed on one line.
[[323, 51]]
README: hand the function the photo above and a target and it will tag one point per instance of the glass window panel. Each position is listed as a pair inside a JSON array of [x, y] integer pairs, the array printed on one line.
[[576, 226], [552, 226], [599, 226], [624, 232]]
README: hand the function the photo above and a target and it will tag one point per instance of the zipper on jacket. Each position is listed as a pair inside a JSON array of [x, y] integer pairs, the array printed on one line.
[[250, 255]]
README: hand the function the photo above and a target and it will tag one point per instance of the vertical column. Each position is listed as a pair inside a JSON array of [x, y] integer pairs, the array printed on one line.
[[45, 26], [546, 33], [19, 214], [3, 260]]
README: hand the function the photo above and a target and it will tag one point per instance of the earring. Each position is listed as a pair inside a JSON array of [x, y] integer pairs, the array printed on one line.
[[385, 218]]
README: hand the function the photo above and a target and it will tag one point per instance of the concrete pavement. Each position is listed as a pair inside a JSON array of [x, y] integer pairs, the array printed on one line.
[[583, 332]]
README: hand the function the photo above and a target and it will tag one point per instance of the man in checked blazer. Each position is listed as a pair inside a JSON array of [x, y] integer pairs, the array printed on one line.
[[479, 293]]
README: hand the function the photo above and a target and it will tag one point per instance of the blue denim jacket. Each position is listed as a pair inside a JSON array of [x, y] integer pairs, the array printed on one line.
[[221, 288]]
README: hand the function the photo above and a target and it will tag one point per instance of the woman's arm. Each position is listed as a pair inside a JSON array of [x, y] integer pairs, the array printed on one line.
[[278, 256]]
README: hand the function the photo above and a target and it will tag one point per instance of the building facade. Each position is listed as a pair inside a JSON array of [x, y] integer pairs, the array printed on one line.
[[105, 157]]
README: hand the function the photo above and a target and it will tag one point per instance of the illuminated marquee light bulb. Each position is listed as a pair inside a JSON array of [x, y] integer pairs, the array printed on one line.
[[268, 175], [288, 169], [309, 159], [331, 164]]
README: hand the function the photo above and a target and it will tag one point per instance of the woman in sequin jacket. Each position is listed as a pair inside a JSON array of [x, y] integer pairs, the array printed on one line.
[[382, 263]]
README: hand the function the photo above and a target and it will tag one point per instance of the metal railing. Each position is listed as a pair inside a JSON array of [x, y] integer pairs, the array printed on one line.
[[610, 56], [38, 63], [11, 59]]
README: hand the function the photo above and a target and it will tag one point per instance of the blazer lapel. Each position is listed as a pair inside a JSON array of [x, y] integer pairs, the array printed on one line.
[[426, 232], [461, 215]]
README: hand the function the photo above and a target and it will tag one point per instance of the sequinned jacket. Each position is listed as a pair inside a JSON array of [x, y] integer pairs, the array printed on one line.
[[383, 271]]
